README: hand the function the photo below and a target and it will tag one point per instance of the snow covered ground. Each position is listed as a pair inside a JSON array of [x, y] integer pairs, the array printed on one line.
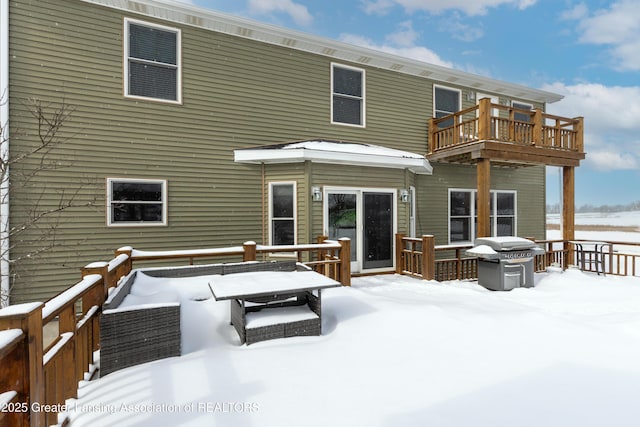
[[396, 351], [620, 226]]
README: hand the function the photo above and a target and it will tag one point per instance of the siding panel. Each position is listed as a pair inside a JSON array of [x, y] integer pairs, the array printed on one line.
[[237, 93]]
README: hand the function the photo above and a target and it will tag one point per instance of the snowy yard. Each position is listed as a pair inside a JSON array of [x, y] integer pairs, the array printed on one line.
[[396, 351]]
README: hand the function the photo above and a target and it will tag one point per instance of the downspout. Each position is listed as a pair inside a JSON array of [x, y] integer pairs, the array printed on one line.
[[263, 190], [4, 152]]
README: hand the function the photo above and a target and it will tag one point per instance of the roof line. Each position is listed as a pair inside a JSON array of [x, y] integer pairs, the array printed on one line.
[[195, 16]]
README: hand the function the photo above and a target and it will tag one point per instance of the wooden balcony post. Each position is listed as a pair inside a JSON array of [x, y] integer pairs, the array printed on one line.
[[484, 197], [249, 251], [345, 261], [428, 257], [28, 318], [512, 125], [400, 264], [431, 144], [484, 119], [568, 209], [579, 134], [538, 123]]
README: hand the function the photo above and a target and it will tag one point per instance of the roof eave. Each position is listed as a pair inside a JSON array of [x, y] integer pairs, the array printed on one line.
[[241, 27], [258, 156]]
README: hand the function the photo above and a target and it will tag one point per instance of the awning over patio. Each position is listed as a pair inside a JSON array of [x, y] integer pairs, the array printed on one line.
[[335, 152]]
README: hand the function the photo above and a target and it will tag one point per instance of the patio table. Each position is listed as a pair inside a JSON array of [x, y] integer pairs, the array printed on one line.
[[273, 304], [588, 261]]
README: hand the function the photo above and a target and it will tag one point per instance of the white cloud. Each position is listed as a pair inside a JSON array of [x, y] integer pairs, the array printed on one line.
[[405, 36], [379, 7], [618, 26], [612, 128], [611, 160], [579, 11], [299, 13], [419, 53], [469, 7], [461, 31]]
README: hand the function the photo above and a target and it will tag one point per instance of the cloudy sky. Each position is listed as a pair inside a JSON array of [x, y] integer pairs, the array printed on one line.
[[588, 51]]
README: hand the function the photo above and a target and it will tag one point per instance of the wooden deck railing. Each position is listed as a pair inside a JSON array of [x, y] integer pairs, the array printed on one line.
[[420, 257], [36, 378], [495, 122], [329, 257]]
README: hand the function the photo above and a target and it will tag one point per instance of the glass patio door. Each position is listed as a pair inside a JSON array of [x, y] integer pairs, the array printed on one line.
[[367, 218], [377, 230], [342, 219]]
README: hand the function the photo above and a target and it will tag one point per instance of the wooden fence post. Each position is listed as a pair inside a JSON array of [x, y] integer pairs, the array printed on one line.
[[101, 268], [28, 318], [399, 253], [249, 251], [128, 251], [428, 257], [345, 261]]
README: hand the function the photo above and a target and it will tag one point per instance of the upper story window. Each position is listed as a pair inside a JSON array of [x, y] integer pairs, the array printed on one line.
[[521, 117], [347, 95], [152, 66], [282, 215], [446, 101], [136, 202], [463, 216]]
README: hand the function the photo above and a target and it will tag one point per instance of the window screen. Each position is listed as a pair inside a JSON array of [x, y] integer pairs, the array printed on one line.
[[348, 96], [283, 214], [153, 62]]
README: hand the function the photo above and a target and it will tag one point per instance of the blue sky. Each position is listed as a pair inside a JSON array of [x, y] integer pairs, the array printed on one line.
[[588, 51]]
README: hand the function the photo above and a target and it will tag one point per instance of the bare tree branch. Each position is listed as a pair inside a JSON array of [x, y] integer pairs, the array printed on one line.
[[21, 172]]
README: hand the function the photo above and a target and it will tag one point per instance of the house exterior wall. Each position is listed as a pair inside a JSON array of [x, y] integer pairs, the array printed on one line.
[[236, 93], [433, 197]]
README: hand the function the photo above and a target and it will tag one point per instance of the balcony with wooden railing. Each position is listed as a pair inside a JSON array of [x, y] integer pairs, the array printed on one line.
[[506, 135]]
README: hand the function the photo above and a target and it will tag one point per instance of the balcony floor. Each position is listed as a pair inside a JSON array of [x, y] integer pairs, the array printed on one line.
[[506, 154]]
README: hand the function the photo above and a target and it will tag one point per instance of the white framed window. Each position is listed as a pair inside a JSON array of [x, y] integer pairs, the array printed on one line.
[[282, 213], [446, 101], [152, 61], [347, 95], [463, 216], [521, 117], [136, 202]]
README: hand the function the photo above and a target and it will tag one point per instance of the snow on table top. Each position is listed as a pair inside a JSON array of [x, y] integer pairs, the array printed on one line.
[[261, 283], [275, 316]]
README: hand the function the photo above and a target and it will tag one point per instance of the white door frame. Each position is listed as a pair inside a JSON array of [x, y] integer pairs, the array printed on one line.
[[356, 266]]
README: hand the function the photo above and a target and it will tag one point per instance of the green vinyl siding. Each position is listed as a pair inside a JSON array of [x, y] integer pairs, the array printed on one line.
[[236, 93], [433, 197]]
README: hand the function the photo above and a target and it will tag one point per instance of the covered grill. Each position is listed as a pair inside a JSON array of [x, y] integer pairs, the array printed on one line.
[[505, 263]]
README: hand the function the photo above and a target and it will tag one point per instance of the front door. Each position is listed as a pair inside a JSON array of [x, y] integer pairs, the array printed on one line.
[[368, 219]]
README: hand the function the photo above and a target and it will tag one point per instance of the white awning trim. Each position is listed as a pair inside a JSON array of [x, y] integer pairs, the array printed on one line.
[[335, 152]]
